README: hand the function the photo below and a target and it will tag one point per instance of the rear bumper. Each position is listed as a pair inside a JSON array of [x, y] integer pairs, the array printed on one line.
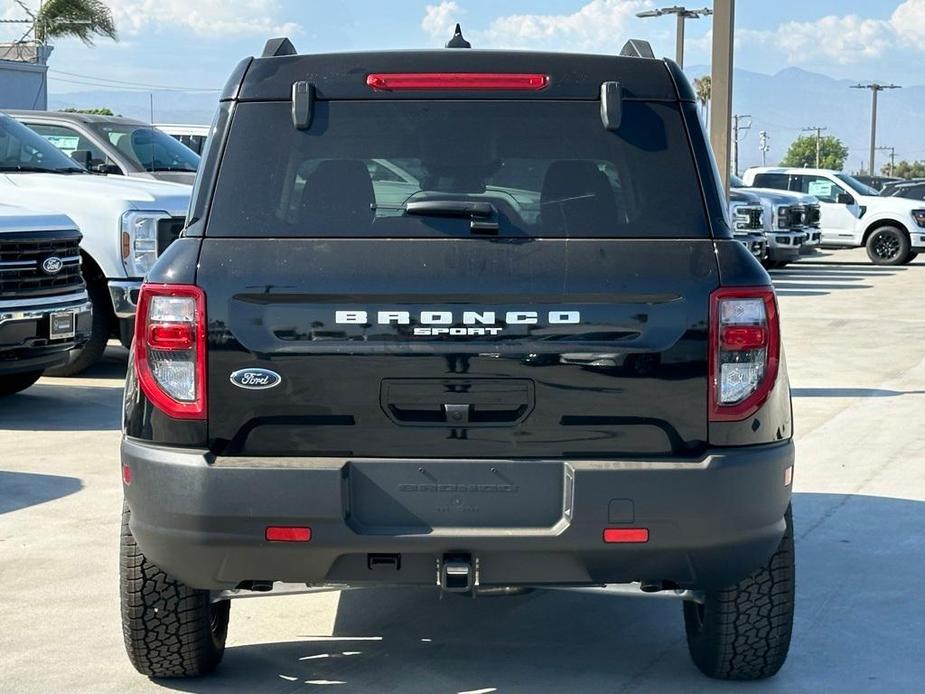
[[710, 522]]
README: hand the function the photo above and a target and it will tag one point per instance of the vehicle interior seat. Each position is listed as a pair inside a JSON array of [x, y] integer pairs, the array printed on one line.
[[576, 196], [338, 197]]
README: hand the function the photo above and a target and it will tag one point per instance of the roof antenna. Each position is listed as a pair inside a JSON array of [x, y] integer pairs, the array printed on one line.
[[458, 41]]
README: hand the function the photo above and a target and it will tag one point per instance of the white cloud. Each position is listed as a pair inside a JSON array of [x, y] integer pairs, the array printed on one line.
[[843, 40], [439, 20], [203, 17], [597, 25], [908, 21]]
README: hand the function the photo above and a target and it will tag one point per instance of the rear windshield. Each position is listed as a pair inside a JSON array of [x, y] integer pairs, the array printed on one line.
[[546, 168]]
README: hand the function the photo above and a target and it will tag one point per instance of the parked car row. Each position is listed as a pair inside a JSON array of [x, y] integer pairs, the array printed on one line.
[[853, 215], [51, 202], [776, 226]]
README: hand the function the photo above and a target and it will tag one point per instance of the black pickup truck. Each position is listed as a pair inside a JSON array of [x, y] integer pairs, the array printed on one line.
[[467, 319]]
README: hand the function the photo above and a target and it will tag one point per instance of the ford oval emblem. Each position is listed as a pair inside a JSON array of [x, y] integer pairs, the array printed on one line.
[[256, 379], [52, 265]]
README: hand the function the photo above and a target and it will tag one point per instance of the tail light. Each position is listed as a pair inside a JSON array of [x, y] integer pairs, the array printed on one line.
[[744, 350], [169, 348]]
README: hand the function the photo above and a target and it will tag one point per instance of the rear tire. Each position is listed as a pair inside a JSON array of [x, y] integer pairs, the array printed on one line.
[[170, 629], [888, 246], [82, 358], [743, 632], [14, 383], [775, 264]]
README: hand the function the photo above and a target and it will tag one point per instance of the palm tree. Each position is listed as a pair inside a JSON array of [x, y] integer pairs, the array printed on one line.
[[703, 86], [83, 19]]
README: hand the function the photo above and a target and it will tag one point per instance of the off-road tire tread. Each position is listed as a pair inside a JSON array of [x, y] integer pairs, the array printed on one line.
[[165, 624], [746, 629]]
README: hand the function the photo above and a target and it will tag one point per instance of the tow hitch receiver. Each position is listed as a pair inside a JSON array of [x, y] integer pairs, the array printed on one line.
[[456, 575]]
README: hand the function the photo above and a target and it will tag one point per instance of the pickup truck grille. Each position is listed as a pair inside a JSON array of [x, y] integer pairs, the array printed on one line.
[[168, 231], [813, 215], [21, 265], [748, 218]]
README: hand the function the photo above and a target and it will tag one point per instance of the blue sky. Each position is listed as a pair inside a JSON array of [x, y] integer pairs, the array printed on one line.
[[192, 44]]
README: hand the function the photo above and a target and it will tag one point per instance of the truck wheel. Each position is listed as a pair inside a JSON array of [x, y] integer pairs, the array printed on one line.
[[775, 264], [743, 632], [13, 383], [170, 629], [83, 358], [888, 246], [909, 258]]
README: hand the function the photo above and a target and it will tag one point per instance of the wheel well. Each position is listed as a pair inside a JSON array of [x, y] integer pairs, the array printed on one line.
[[94, 275], [883, 223]]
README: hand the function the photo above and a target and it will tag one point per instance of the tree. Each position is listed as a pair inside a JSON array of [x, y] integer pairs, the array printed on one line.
[[89, 111], [83, 19], [703, 86], [906, 169], [802, 153]]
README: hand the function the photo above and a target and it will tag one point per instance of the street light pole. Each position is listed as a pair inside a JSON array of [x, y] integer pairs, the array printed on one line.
[[875, 88], [682, 14], [721, 106]]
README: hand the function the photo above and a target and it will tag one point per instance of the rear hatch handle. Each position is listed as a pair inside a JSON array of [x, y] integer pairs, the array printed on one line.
[[483, 215]]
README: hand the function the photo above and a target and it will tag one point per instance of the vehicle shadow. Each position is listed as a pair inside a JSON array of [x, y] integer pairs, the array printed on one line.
[[851, 392], [859, 626], [53, 407], [77, 403], [822, 278], [23, 489]]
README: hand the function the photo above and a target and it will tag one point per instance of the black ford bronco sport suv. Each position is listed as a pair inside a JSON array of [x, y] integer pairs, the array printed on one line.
[[457, 318]]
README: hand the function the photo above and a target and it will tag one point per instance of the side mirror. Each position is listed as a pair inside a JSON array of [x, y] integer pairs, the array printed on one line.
[[844, 199], [107, 168], [84, 157]]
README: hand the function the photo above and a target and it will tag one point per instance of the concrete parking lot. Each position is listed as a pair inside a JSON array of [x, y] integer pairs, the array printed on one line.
[[855, 343]]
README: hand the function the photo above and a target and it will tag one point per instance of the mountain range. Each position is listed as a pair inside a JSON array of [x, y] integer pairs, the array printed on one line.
[[781, 104]]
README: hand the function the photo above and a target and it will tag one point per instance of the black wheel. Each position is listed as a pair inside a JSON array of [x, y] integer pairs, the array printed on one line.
[[170, 629], [888, 246], [743, 632], [775, 264], [909, 258], [13, 383], [83, 358]]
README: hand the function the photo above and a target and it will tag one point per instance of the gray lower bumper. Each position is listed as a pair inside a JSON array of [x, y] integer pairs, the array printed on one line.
[[710, 521], [124, 295]]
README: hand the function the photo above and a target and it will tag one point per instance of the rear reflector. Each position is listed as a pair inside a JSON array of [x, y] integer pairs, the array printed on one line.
[[626, 535], [476, 81], [285, 533], [126, 475]]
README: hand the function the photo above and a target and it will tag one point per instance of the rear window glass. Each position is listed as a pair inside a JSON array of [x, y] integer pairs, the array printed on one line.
[[547, 168]]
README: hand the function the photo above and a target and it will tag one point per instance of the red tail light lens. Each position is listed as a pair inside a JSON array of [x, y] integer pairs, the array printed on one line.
[[744, 350], [475, 81], [626, 535], [170, 348]]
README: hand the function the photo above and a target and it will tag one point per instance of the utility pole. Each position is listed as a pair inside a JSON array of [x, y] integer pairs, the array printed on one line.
[[721, 76], [875, 88], [892, 151], [818, 131], [736, 129], [682, 14]]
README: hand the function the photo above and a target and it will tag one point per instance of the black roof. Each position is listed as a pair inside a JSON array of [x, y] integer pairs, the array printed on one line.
[[343, 75]]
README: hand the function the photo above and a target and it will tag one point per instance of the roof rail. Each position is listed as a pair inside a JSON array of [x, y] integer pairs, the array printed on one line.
[[277, 47], [637, 48]]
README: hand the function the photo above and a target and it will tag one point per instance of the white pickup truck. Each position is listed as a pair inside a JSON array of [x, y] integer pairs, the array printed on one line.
[[125, 222], [853, 214], [44, 309]]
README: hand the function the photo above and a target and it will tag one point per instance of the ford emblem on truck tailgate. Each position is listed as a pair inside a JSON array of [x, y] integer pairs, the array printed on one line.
[[256, 379]]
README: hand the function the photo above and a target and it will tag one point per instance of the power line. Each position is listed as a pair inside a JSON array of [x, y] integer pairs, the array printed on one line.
[[105, 81], [118, 87], [818, 130]]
